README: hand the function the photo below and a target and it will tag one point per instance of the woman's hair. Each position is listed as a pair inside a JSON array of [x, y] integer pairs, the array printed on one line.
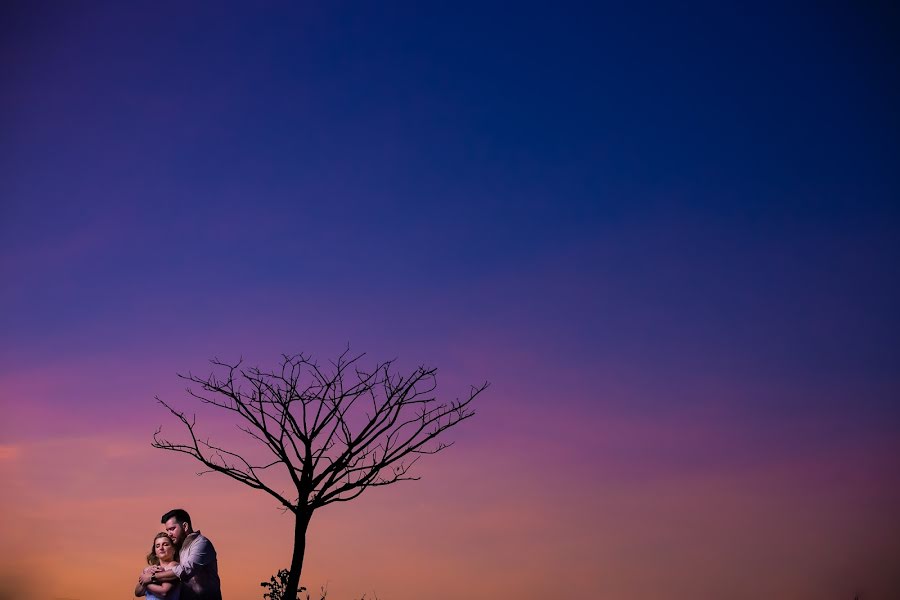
[[152, 559]]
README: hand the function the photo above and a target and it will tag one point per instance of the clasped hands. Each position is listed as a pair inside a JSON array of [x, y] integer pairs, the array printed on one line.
[[148, 574]]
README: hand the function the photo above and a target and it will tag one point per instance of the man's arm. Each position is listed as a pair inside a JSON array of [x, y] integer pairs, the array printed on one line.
[[162, 576], [200, 556]]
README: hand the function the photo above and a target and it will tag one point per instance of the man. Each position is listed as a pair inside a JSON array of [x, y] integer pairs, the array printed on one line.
[[198, 569]]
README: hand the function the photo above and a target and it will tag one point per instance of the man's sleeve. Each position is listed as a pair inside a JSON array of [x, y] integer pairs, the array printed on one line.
[[201, 555]]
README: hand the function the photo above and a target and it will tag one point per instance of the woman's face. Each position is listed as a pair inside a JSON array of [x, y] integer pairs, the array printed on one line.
[[164, 549]]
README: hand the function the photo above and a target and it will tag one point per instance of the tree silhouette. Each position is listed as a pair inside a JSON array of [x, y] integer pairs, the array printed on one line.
[[334, 431]]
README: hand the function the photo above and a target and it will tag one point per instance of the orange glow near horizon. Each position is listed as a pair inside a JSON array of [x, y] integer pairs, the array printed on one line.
[[483, 522]]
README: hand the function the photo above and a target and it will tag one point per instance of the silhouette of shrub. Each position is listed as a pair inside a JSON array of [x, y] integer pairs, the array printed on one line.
[[278, 581], [276, 586]]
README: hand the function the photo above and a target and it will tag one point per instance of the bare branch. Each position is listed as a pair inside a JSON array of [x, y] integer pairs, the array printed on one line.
[[337, 430]]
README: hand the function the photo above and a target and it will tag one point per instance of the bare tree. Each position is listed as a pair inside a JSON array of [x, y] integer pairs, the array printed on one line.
[[333, 432]]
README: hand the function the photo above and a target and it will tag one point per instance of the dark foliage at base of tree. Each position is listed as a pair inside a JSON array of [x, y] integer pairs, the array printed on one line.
[[277, 584]]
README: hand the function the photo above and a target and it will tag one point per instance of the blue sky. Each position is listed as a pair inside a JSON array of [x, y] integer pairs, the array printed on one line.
[[670, 214]]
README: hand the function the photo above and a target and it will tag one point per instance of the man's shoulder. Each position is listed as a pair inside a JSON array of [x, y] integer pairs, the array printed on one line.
[[196, 542], [200, 537]]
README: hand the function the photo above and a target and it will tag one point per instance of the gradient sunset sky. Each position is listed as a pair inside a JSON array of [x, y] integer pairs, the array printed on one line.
[[666, 234]]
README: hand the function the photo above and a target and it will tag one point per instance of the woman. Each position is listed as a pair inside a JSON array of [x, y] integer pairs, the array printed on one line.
[[163, 554]]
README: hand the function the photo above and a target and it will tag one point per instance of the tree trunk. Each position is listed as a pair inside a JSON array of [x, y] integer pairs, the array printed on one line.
[[293, 582]]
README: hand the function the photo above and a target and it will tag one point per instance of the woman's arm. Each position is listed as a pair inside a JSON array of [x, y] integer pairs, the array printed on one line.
[[141, 588], [160, 589]]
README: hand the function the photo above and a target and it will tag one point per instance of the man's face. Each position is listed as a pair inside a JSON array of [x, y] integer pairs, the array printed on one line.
[[178, 531]]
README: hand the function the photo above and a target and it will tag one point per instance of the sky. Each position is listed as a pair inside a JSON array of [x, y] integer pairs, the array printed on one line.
[[665, 234]]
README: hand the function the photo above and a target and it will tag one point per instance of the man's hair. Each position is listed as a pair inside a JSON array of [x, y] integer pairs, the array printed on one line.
[[180, 515]]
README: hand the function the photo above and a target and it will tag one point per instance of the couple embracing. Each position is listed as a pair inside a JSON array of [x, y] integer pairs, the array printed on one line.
[[182, 563]]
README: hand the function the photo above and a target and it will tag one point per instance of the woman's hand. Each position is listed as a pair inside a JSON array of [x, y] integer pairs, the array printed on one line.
[[148, 573]]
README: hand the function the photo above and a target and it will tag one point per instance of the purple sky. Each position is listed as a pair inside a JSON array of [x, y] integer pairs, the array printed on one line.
[[666, 236]]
